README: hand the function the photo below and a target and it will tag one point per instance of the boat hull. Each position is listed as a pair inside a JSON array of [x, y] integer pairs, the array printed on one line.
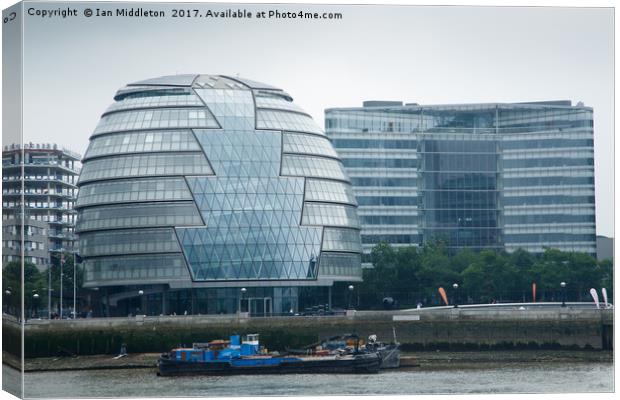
[[362, 363]]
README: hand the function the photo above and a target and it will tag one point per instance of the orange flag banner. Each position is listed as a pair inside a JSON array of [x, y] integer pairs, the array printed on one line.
[[533, 292], [442, 293]]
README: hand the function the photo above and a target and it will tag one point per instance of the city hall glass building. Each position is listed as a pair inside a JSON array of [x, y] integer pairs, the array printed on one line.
[[479, 176], [195, 187]]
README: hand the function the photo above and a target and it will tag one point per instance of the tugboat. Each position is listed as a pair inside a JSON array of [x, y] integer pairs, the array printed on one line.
[[245, 357]]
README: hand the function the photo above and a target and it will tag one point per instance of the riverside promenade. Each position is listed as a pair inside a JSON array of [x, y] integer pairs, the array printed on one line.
[[578, 326]]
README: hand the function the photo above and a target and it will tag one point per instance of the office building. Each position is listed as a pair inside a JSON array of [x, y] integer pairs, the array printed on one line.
[[213, 194], [478, 176], [46, 194]]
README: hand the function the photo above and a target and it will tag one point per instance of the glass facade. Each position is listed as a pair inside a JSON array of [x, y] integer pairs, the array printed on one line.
[[502, 176], [214, 182]]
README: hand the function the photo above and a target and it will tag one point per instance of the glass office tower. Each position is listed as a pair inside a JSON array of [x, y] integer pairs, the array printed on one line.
[[195, 187], [479, 176]]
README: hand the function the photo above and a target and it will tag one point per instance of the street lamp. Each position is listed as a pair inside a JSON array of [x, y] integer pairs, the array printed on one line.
[[35, 299], [7, 293], [563, 285], [455, 286], [140, 293], [243, 290], [351, 287]]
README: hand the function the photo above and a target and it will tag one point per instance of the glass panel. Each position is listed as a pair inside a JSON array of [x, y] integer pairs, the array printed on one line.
[[286, 121], [136, 216], [156, 118], [330, 215], [140, 142], [123, 191], [145, 164], [339, 239], [128, 241], [307, 144], [330, 191], [297, 165]]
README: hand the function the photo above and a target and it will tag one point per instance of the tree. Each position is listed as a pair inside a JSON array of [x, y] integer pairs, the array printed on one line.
[[33, 283]]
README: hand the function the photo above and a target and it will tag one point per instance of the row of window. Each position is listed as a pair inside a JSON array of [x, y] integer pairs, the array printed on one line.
[[285, 121], [340, 264], [144, 165], [468, 146], [143, 268], [156, 119], [172, 99], [330, 191], [387, 182], [459, 181], [138, 215], [548, 162], [309, 166], [536, 200], [130, 241], [548, 237], [307, 144], [396, 239], [445, 162], [330, 215], [529, 144], [276, 102], [389, 219], [140, 142], [339, 239], [387, 201], [123, 191], [380, 163], [375, 143], [549, 181], [548, 218]]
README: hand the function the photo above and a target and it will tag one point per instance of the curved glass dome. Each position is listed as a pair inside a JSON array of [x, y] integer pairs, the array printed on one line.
[[204, 178]]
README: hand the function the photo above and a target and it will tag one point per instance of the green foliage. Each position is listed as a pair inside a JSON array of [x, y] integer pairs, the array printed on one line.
[[412, 275], [34, 282]]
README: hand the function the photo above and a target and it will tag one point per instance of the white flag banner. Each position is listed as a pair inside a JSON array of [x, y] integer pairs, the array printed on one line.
[[594, 296], [604, 291]]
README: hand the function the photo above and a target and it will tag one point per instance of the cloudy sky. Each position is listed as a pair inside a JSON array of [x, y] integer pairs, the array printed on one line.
[[428, 55]]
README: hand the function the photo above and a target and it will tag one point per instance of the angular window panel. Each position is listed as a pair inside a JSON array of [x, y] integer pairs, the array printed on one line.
[[330, 215], [128, 241], [339, 239], [533, 200], [141, 142], [548, 181], [276, 102], [138, 216], [124, 191], [123, 269], [156, 118], [152, 100], [340, 264], [307, 144], [330, 191], [286, 121], [317, 167], [144, 165]]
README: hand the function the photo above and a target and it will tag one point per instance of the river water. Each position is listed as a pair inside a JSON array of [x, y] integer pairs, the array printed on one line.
[[537, 377]]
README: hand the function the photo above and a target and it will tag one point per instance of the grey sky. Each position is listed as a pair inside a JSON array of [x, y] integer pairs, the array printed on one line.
[[429, 55]]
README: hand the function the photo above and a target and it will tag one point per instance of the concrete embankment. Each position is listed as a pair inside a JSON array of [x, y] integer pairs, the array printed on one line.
[[417, 330]]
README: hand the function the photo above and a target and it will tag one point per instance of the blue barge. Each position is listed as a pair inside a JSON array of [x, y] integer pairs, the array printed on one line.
[[244, 357]]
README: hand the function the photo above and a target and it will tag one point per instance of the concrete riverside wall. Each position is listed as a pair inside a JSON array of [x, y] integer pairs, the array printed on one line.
[[426, 329]]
